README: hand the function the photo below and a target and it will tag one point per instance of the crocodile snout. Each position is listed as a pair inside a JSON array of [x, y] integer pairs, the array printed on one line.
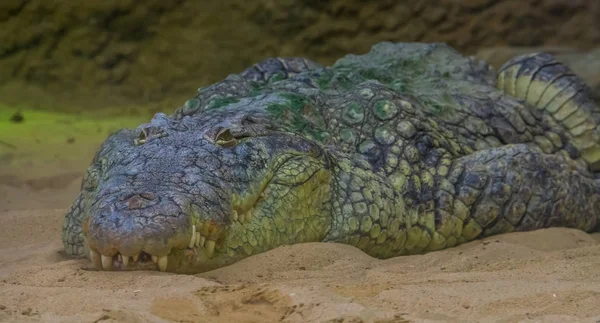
[[142, 226], [139, 201]]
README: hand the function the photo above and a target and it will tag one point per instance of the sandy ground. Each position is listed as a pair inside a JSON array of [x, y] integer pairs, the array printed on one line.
[[549, 275]]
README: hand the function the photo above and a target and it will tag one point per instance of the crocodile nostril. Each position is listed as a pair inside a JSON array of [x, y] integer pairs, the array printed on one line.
[[138, 201], [148, 196]]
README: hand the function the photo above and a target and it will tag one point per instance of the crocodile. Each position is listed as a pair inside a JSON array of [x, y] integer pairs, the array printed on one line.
[[407, 149]]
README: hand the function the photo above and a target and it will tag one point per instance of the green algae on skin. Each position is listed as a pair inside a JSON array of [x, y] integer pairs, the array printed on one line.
[[300, 116], [220, 102]]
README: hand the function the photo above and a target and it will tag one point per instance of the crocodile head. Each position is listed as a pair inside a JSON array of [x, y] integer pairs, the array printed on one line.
[[184, 197]]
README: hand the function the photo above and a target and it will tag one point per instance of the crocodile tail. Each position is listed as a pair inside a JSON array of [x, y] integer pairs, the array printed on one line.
[[549, 85]]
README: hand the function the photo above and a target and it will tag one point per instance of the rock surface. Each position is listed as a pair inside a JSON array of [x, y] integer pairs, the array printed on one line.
[[151, 50]]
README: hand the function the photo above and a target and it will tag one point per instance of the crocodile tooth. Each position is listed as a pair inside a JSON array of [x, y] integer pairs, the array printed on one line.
[[162, 263], [234, 215], [249, 214], [95, 258], [198, 237], [125, 260], [107, 262], [202, 239], [193, 239], [135, 257], [210, 247], [241, 217], [120, 257], [155, 259]]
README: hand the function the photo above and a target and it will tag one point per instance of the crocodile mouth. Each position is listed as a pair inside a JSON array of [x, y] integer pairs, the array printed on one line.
[[141, 261], [188, 238], [202, 241]]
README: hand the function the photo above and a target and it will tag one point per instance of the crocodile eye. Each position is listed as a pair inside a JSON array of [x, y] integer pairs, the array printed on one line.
[[148, 133], [141, 139], [224, 138]]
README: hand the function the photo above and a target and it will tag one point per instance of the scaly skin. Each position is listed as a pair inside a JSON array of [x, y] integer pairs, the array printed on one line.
[[407, 149]]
